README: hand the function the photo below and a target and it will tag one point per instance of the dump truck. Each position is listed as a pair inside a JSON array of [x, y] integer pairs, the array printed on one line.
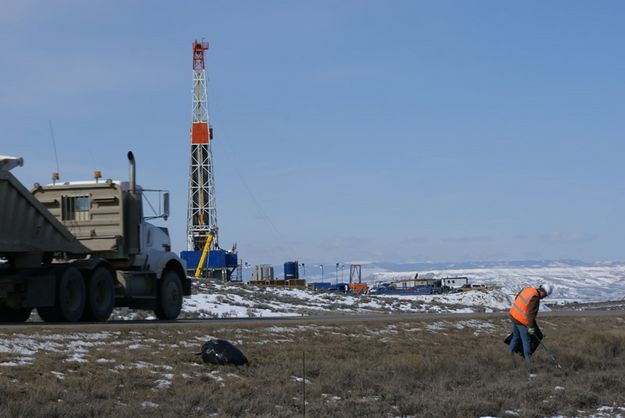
[[75, 250]]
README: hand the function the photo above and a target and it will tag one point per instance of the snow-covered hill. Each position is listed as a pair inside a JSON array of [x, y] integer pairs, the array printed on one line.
[[572, 283]]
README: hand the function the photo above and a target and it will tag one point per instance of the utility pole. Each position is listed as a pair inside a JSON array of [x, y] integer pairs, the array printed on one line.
[[321, 265]]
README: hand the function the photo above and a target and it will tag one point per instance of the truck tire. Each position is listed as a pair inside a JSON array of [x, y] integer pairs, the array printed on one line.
[[100, 289], [169, 299], [70, 298], [14, 315]]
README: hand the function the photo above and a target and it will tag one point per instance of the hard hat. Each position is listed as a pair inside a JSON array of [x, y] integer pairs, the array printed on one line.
[[547, 288]]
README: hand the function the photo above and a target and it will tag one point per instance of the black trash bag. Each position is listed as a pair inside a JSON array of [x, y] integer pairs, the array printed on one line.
[[534, 342], [222, 352]]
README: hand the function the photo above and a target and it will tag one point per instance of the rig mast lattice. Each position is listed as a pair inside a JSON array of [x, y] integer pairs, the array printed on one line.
[[202, 207]]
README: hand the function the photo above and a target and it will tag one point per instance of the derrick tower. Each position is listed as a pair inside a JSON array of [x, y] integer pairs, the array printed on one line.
[[202, 208]]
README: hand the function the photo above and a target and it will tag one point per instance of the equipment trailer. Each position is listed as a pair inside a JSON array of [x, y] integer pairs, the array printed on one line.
[[74, 251]]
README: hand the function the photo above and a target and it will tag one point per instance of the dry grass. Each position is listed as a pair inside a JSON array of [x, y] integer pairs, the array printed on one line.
[[395, 367]]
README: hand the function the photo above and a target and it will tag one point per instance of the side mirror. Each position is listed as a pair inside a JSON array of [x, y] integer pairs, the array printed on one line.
[[165, 205]]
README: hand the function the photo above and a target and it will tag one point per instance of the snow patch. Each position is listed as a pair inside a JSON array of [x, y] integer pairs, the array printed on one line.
[[300, 379]]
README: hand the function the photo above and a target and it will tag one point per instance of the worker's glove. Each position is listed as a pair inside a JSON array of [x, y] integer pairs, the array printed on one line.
[[531, 331]]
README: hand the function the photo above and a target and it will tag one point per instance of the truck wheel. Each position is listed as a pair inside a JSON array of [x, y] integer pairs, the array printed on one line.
[[70, 298], [169, 300], [100, 295], [14, 315]]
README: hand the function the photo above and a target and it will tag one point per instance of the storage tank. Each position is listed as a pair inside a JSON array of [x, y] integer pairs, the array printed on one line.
[[263, 272], [267, 270], [291, 270]]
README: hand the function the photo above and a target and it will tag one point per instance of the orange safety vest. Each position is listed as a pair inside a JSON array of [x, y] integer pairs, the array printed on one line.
[[518, 311]]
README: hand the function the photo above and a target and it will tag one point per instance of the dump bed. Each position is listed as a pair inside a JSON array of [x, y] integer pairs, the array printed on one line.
[[25, 224]]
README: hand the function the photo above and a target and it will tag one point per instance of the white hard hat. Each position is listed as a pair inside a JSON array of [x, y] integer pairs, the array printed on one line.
[[547, 288]]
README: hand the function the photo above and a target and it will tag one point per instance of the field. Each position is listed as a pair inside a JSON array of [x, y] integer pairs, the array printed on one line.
[[397, 366]]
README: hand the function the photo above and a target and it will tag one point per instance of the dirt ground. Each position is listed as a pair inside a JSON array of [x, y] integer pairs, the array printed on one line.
[[451, 366]]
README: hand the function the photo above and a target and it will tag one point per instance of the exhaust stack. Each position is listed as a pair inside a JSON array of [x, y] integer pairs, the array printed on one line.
[[133, 172]]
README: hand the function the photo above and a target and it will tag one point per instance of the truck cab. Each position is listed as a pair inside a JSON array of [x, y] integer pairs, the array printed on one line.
[[122, 259]]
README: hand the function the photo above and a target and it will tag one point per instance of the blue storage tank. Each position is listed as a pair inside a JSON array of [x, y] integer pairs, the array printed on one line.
[[291, 270]]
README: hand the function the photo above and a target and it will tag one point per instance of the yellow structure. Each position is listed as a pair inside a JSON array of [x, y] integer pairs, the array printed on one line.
[[207, 247]]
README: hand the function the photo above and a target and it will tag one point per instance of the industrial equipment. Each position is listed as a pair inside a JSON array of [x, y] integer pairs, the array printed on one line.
[[291, 270], [207, 246], [202, 210], [262, 272], [75, 250], [202, 206], [355, 273], [400, 288]]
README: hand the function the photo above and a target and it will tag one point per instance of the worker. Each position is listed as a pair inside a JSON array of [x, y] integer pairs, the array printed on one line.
[[523, 314]]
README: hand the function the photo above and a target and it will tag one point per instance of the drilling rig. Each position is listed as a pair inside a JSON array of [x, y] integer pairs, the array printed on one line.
[[202, 207], [203, 254]]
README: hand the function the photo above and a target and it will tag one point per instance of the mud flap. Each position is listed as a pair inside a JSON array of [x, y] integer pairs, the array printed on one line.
[[40, 290]]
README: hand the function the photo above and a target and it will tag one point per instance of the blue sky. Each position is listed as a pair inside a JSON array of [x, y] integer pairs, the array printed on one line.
[[396, 131]]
